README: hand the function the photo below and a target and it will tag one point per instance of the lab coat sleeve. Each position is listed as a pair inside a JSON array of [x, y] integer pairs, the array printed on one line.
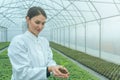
[[22, 70], [51, 62]]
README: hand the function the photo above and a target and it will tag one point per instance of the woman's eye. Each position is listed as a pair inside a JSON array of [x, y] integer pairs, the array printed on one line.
[[37, 22], [43, 23]]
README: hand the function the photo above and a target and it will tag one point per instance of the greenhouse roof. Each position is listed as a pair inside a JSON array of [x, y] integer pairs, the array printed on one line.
[[60, 12]]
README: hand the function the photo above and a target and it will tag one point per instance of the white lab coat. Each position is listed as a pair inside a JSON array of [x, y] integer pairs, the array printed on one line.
[[30, 56]]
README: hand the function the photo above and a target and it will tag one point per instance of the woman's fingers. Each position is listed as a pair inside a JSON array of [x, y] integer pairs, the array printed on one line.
[[59, 71]]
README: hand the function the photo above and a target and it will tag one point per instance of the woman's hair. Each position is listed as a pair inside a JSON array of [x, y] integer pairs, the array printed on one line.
[[35, 11]]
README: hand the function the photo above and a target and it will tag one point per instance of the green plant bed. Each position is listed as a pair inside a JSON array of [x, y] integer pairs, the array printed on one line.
[[108, 69], [5, 66], [5, 74], [4, 45], [76, 73], [3, 55]]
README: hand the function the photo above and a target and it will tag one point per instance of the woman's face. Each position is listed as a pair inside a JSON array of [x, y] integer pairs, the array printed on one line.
[[36, 24]]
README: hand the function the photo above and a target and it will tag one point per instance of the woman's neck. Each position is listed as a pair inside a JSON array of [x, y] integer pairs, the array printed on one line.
[[33, 33]]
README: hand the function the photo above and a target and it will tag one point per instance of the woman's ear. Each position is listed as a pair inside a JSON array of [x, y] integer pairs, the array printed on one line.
[[27, 19]]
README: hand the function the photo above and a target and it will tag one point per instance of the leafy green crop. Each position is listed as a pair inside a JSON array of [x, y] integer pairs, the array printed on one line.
[[5, 67], [107, 69], [3, 45], [76, 73]]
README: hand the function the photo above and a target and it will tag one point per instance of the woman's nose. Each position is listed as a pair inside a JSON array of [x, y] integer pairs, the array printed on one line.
[[40, 26]]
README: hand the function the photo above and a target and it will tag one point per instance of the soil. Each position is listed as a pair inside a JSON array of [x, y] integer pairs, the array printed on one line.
[[62, 70]]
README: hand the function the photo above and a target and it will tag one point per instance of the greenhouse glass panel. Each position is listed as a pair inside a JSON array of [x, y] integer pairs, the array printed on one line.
[[92, 38], [80, 37], [106, 10]]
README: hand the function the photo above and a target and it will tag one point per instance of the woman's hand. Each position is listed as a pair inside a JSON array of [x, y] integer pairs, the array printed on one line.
[[59, 71]]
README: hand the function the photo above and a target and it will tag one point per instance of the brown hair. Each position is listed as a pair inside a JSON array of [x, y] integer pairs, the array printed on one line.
[[34, 11]]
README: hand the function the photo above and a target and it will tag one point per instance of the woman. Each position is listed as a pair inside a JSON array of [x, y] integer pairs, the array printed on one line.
[[30, 55]]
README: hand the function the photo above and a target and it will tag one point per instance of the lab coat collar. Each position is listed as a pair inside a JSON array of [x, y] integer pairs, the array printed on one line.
[[32, 36]]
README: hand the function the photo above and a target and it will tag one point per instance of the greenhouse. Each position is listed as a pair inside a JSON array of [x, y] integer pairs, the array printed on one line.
[[82, 35]]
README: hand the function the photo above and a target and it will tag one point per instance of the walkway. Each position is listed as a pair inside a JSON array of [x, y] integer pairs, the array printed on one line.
[[85, 68]]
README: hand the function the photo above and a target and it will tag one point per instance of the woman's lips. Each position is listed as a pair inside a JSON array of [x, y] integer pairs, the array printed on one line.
[[38, 30]]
